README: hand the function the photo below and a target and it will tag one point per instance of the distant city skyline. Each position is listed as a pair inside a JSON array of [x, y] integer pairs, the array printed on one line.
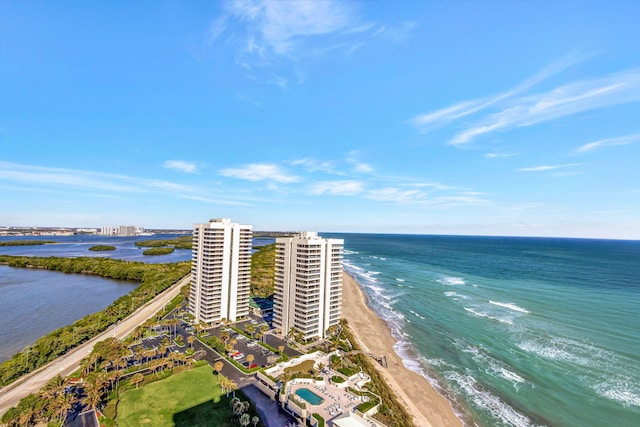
[[470, 118]]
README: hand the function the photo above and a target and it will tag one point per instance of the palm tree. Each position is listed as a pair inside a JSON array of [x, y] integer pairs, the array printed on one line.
[[66, 401], [224, 336], [137, 379], [281, 349], [250, 329], [238, 408], [54, 387], [217, 366], [250, 358], [94, 396], [245, 419], [255, 420], [191, 339]]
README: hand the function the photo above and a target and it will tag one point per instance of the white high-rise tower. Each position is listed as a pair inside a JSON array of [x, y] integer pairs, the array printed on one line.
[[308, 284], [221, 271]]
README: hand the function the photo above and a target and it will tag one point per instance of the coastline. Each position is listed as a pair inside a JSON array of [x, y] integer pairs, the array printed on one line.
[[419, 397]]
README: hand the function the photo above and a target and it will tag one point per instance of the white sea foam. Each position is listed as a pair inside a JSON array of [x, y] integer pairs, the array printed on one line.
[[451, 281], [622, 393], [382, 259], [455, 295], [555, 351], [510, 376], [489, 316], [510, 306], [417, 314], [348, 252], [488, 401], [400, 280]]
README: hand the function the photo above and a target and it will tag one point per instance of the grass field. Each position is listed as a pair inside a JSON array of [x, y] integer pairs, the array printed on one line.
[[190, 398]]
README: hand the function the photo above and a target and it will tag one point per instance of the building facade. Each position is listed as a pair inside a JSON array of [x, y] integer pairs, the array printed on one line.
[[221, 271], [308, 285]]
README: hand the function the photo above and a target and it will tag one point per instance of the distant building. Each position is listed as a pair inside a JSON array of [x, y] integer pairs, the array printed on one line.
[[107, 230], [221, 271], [308, 284], [126, 230]]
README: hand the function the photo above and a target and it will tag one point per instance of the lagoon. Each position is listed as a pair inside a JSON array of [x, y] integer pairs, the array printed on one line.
[[36, 302]]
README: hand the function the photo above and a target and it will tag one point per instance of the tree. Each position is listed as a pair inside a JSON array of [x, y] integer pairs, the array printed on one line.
[[217, 366], [250, 328], [191, 339], [66, 401], [250, 358], [238, 408], [255, 420], [94, 396], [137, 379], [281, 349], [245, 419]]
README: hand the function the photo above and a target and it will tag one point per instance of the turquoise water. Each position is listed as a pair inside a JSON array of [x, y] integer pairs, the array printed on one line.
[[309, 396], [514, 331]]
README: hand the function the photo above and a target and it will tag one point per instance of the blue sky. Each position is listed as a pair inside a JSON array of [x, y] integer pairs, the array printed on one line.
[[477, 117]]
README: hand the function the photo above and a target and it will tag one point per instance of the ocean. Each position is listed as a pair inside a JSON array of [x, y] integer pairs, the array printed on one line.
[[514, 331]]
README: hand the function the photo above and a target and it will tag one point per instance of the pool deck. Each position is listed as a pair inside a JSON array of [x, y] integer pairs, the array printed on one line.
[[337, 400]]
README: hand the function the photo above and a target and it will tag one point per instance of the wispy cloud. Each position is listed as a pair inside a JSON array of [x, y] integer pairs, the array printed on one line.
[[498, 155], [621, 140], [425, 198], [278, 37], [337, 188], [74, 179], [314, 165], [517, 107], [544, 168], [397, 195], [434, 119], [566, 100], [278, 26], [181, 165], [363, 168], [260, 172]]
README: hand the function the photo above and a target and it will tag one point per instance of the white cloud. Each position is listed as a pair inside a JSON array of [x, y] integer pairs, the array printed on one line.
[[434, 119], [572, 98], [181, 165], [363, 168], [622, 140], [543, 168], [279, 26], [337, 188], [396, 195], [260, 172], [46, 177], [313, 165], [498, 155]]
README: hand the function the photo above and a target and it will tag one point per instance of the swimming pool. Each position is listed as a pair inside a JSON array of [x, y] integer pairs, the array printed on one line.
[[309, 396]]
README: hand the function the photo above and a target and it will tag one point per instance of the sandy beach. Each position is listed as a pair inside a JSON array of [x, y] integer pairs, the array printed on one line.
[[423, 402]]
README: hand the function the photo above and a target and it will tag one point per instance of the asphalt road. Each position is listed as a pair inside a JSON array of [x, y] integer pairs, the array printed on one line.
[[68, 363]]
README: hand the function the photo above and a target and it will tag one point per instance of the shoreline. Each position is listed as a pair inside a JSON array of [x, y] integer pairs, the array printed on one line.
[[416, 394]]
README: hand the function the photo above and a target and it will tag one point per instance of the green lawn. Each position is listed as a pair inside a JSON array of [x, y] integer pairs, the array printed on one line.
[[190, 398]]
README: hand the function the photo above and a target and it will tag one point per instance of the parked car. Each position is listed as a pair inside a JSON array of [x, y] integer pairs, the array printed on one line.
[[252, 344], [238, 356]]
